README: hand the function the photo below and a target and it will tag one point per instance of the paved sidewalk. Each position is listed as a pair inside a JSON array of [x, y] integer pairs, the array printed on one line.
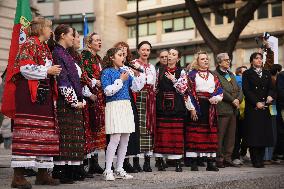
[[246, 178]]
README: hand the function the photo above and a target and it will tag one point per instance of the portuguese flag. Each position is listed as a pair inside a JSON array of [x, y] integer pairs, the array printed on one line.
[[22, 20]]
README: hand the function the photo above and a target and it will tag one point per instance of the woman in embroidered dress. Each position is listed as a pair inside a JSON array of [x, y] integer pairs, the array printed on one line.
[[204, 93], [171, 111], [94, 111], [146, 105], [133, 148], [119, 114], [69, 107], [35, 140]]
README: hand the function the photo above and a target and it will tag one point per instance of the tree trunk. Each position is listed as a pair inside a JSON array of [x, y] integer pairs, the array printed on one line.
[[244, 15]]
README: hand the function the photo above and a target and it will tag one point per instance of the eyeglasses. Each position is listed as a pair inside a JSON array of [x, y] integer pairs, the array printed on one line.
[[227, 60]]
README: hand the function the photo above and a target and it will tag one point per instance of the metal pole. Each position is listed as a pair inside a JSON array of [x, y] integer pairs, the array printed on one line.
[[137, 23]]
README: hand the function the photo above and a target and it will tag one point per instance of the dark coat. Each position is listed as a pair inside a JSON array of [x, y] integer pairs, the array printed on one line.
[[231, 91], [280, 90], [258, 124]]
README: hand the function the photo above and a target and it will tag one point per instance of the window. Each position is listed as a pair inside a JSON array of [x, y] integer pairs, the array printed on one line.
[[189, 23], [167, 26], [218, 19], [152, 28], [144, 29], [178, 24], [276, 9], [189, 58], [231, 15], [131, 31], [262, 11]]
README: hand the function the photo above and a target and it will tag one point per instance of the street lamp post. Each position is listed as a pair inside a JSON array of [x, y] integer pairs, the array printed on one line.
[[137, 23]]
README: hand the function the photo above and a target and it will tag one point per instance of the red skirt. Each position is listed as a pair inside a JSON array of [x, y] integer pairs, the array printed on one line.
[[34, 132], [94, 115], [169, 136], [200, 136]]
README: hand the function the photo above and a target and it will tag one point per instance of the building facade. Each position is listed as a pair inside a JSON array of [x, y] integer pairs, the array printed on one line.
[[165, 23]]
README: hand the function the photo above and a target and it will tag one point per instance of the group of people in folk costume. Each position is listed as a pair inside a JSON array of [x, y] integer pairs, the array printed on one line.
[[69, 106]]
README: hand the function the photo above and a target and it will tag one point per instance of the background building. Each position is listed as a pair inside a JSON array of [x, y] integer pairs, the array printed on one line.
[[165, 23]]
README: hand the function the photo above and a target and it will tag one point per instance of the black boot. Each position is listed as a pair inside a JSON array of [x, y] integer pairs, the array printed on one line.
[[194, 166], [94, 165], [79, 174], [128, 167], [147, 166], [28, 172], [136, 164], [178, 165], [160, 164], [86, 169], [187, 161], [200, 162], [210, 165], [60, 172]]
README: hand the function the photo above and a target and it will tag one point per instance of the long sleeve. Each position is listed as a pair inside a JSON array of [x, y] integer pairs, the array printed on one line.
[[188, 103], [110, 88], [138, 82], [68, 80], [250, 96], [280, 85], [181, 83], [34, 72], [86, 91]]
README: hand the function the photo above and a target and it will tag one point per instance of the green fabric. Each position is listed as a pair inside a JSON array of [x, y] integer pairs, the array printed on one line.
[[23, 10]]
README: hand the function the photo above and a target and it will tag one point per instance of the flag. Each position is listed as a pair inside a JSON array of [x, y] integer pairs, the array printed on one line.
[[86, 28], [22, 20]]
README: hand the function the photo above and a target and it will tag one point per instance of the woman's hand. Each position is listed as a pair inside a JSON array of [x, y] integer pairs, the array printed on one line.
[[54, 70], [98, 83], [80, 105], [93, 97], [193, 115], [213, 100], [260, 105], [269, 100], [170, 76]]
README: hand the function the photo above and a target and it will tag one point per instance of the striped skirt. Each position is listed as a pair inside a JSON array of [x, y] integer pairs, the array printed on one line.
[[71, 128], [146, 140], [169, 136], [199, 137]]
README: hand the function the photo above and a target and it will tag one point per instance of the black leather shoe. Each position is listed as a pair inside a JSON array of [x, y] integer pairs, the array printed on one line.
[[230, 164], [220, 164], [128, 167], [211, 166], [160, 164], [194, 166], [136, 164], [178, 165], [147, 166]]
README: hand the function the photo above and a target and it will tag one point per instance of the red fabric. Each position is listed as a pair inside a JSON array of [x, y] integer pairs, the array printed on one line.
[[8, 100], [150, 108], [169, 136], [33, 86]]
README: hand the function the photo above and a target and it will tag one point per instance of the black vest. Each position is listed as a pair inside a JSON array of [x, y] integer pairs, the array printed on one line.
[[169, 102]]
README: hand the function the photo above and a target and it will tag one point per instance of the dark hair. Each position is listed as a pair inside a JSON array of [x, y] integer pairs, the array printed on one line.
[[107, 60], [161, 50], [254, 55], [239, 70], [74, 53], [61, 29], [179, 55], [275, 69], [124, 44], [142, 43]]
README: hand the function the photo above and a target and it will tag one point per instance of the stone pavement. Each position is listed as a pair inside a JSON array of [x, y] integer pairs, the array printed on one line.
[[271, 177]]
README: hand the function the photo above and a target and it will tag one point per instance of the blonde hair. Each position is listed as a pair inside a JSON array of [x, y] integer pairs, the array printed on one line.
[[194, 64], [38, 24], [89, 39]]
